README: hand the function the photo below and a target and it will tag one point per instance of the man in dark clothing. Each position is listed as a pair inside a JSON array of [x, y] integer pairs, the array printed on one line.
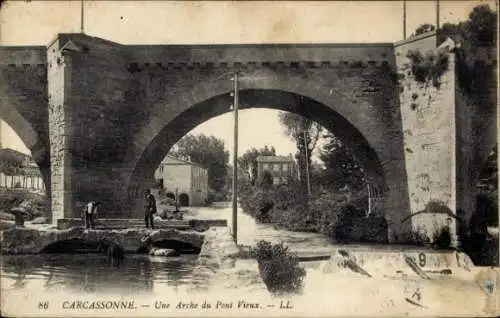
[[149, 208], [90, 213]]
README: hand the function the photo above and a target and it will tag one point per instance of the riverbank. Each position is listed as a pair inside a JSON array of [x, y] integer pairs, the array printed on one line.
[[329, 286]]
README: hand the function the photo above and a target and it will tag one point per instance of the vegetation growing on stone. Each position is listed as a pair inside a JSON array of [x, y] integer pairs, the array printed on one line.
[[280, 269], [428, 67], [424, 28], [442, 238]]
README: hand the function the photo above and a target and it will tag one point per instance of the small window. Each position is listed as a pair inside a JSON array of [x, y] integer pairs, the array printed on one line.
[[265, 166], [276, 180], [285, 167], [276, 167]]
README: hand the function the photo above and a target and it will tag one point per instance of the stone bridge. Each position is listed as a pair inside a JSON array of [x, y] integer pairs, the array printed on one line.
[[99, 116], [32, 241]]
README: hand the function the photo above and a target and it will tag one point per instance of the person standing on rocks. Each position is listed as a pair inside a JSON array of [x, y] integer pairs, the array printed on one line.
[[149, 208]]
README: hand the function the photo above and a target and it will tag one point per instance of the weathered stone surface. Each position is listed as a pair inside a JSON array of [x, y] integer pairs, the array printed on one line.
[[377, 262], [27, 241], [6, 224], [102, 223], [218, 267], [80, 96], [39, 220], [7, 216]]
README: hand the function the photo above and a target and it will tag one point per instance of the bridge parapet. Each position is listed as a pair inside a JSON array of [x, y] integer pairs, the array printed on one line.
[[260, 53], [342, 65], [23, 55]]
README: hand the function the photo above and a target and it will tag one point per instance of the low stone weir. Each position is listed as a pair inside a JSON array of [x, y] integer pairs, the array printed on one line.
[[391, 262], [19, 240]]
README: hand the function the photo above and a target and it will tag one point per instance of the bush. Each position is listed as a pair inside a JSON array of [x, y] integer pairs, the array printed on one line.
[[428, 67], [294, 218], [34, 205], [487, 208], [280, 269], [442, 238], [216, 196]]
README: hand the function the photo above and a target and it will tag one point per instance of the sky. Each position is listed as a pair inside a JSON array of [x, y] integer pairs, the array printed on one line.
[[222, 22]]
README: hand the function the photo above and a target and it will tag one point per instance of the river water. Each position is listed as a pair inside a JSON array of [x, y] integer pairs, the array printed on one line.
[[336, 291]]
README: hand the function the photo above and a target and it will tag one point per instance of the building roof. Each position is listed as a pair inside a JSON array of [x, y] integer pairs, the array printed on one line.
[[171, 160], [274, 159]]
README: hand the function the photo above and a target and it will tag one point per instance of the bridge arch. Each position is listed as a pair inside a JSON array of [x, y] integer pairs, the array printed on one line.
[[16, 121], [370, 126], [31, 139], [280, 100]]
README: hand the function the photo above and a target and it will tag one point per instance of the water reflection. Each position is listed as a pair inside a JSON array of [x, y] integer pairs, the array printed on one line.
[[92, 273]]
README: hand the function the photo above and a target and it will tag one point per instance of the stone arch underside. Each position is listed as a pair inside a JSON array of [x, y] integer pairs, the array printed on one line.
[[376, 164]]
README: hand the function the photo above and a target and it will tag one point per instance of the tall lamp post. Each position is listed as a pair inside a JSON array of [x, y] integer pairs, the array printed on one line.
[[235, 159]]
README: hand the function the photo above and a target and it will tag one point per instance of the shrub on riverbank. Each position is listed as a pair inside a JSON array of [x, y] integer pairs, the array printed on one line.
[[279, 268], [342, 217], [32, 204]]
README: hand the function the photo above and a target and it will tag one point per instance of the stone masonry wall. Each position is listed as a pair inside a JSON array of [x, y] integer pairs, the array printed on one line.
[[122, 108], [60, 164], [104, 113], [24, 101], [357, 100], [429, 140]]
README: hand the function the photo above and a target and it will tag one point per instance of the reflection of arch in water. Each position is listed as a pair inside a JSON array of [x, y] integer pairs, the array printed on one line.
[[183, 199]]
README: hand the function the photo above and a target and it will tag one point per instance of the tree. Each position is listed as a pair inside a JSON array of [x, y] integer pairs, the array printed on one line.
[[247, 163], [11, 163], [479, 29], [266, 180], [482, 24], [341, 168], [306, 134], [207, 151]]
